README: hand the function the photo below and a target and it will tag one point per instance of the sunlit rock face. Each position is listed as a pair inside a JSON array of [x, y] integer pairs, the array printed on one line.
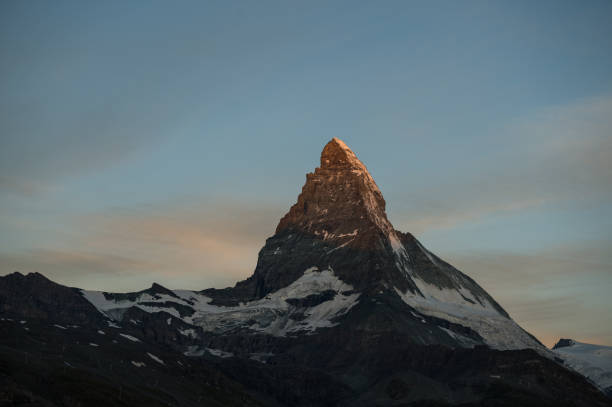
[[341, 204]]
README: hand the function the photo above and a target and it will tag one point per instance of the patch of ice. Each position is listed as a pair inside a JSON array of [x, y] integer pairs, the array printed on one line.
[[169, 321], [219, 353], [138, 364], [190, 333], [260, 357], [341, 246], [155, 358], [95, 345], [130, 337], [194, 351], [151, 309], [101, 332], [59, 326]]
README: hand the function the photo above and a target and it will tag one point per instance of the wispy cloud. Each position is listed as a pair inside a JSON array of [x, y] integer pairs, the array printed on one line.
[[555, 156], [49, 133], [559, 292], [67, 264], [441, 217], [200, 245], [22, 186]]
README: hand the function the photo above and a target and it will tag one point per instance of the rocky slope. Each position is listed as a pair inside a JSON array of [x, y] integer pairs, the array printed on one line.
[[342, 309]]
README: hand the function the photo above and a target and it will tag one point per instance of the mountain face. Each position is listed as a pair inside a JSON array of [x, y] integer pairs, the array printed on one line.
[[342, 309], [339, 228], [592, 361]]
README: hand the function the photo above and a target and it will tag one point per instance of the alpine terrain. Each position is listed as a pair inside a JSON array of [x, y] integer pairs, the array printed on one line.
[[342, 309], [593, 361]]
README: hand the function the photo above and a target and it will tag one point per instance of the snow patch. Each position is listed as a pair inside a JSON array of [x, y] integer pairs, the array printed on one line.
[[130, 337], [219, 353], [261, 357], [104, 305], [194, 351], [155, 358], [190, 333], [138, 364]]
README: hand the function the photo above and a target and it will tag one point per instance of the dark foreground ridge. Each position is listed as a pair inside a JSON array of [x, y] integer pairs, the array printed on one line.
[[341, 310]]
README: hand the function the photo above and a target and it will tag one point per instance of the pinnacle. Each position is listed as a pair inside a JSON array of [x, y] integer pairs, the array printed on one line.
[[336, 154], [339, 198]]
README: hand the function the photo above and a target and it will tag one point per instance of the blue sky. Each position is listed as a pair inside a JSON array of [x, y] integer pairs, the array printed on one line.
[[149, 141]]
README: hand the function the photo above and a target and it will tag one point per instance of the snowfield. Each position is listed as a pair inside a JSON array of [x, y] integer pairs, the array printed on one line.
[[273, 313], [452, 305], [270, 314], [592, 361]]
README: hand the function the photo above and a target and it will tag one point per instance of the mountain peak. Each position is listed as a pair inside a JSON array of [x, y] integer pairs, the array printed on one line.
[[562, 343], [336, 154], [339, 201]]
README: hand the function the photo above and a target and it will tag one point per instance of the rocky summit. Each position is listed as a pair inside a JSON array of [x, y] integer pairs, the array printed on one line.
[[341, 309]]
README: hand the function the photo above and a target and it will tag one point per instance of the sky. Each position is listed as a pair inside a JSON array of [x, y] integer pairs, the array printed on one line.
[[162, 141]]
